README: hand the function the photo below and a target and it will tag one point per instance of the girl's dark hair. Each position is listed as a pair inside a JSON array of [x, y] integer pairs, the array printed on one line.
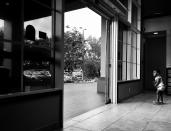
[[157, 70]]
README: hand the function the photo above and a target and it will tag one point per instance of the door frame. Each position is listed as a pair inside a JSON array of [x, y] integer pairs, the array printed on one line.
[[147, 35]]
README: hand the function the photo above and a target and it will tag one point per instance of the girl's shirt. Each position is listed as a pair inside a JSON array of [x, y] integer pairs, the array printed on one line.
[[159, 83]]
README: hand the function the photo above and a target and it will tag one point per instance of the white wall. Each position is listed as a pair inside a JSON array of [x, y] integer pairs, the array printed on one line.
[[161, 24]]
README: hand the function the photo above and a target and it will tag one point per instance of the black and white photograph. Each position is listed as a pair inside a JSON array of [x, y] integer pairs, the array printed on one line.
[[85, 65]]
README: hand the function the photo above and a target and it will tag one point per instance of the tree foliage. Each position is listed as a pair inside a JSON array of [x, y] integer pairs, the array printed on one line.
[[73, 50], [82, 54]]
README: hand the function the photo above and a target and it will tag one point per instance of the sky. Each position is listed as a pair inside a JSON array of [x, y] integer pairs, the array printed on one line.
[[85, 18]]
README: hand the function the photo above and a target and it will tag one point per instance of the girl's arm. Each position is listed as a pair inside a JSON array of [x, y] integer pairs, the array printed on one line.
[[156, 82]]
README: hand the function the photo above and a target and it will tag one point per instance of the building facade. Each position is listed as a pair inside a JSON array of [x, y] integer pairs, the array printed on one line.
[[31, 62]]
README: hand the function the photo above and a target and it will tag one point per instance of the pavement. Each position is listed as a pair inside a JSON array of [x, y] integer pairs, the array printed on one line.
[[80, 98]]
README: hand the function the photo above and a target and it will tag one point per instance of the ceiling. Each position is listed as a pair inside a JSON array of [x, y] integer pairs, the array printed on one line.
[[155, 8], [150, 8]]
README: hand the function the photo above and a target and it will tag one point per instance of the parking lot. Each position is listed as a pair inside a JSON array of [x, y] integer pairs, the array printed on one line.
[[80, 98]]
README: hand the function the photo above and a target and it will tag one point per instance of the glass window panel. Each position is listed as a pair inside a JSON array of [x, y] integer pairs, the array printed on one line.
[[129, 38], [138, 71], [128, 71], [134, 39], [138, 41], [119, 71], [134, 70], [123, 70], [38, 42], [124, 52], [10, 68], [5, 29], [129, 53], [125, 37], [10, 46], [138, 56], [134, 52], [120, 50], [120, 35], [134, 15]]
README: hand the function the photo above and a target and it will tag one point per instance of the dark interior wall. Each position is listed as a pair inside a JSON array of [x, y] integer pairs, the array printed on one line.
[[154, 57], [129, 89], [31, 112]]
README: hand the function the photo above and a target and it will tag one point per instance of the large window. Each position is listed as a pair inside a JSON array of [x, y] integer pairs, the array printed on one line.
[[27, 53], [134, 15], [128, 54], [38, 51]]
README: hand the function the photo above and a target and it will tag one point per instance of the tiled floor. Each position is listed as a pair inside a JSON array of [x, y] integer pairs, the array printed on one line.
[[135, 114]]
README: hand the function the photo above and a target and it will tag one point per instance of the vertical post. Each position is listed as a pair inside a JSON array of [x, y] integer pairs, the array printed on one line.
[[83, 55], [103, 47], [58, 36], [130, 11], [17, 47], [83, 39], [114, 60], [108, 64]]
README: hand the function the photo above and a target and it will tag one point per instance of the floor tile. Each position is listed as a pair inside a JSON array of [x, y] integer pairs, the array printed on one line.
[[135, 114], [75, 129], [158, 126], [127, 125]]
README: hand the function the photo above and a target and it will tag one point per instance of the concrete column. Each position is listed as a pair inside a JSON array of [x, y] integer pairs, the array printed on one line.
[[114, 60]]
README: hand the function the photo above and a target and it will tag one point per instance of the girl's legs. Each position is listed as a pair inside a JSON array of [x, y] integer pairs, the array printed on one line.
[[161, 96], [157, 96]]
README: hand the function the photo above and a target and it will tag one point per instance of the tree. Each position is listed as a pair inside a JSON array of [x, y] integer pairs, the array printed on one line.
[[95, 51], [79, 54], [92, 61], [73, 50]]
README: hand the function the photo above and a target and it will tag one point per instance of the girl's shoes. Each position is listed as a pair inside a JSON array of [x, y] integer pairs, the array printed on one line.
[[156, 102], [161, 102]]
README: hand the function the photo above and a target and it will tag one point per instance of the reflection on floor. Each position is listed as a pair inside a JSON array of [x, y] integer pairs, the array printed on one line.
[[136, 114], [80, 98]]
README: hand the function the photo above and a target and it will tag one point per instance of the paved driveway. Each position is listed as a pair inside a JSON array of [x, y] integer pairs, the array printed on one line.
[[81, 98]]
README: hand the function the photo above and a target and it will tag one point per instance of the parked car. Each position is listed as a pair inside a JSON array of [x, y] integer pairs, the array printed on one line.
[[67, 77], [37, 77], [77, 74]]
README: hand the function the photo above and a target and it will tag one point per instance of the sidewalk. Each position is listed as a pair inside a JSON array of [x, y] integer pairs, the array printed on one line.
[[80, 98]]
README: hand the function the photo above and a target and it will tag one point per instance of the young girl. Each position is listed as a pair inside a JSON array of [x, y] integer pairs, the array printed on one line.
[[158, 83]]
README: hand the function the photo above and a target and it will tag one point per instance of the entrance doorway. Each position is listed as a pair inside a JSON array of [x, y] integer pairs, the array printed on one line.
[[85, 57], [154, 56]]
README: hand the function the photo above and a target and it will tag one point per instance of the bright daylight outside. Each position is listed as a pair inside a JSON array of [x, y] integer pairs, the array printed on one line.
[[82, 54]]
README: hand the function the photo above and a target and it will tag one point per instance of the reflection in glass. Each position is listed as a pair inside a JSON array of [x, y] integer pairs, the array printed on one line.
[[38, 59], [1, 28], [119, 71], [124, 71], [134, 71], [37, 54], [129, 73], [6, 57]]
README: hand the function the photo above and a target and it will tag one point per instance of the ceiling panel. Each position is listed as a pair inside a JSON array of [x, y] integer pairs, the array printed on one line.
[[155, 8]]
